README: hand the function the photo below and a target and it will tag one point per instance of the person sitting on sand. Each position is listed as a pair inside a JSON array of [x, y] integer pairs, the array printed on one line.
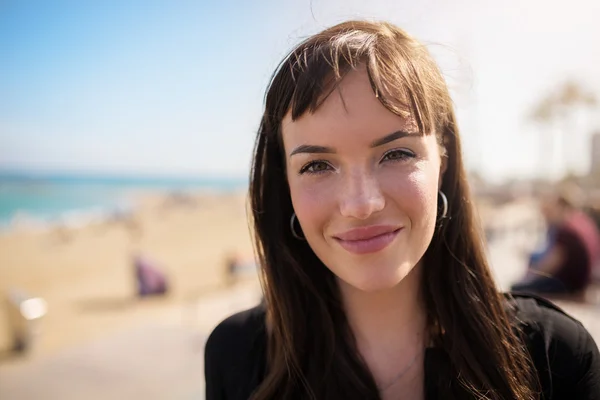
[[572, 251], [236, 265], [538, 254], [151, 281]]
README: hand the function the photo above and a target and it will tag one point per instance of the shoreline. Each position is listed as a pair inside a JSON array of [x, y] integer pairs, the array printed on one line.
[[127, 202], [85, 273]]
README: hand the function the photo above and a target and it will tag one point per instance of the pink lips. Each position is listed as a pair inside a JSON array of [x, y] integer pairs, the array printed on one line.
[[368, 239]]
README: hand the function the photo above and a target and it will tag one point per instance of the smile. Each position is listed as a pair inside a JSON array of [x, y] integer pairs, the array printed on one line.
[[369, 239]]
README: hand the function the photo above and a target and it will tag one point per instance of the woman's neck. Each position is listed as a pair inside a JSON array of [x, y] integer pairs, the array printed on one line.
[[389, 326], [395, 315]]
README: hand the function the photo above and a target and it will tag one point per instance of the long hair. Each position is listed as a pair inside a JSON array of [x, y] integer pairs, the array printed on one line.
[[311, 349]]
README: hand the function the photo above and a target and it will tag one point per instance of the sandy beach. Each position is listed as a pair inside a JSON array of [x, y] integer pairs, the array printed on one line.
[[98, 341], [85, 273]]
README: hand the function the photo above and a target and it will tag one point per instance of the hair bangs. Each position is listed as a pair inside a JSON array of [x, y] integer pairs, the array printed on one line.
[[318, 66]]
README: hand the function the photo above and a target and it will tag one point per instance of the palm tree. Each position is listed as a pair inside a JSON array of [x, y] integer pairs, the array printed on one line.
[[545, 113], [556, 111]]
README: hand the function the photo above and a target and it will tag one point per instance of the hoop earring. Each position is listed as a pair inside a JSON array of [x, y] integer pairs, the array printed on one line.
[[444, 204], [299, 237]]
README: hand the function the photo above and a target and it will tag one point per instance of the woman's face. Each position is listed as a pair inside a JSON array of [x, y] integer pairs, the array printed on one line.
[[363, 183]]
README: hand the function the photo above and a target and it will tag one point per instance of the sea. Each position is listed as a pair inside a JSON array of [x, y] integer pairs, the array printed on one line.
[[37, 199]]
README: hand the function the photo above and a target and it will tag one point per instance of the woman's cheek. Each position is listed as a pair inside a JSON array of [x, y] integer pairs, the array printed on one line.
[[414, 193], [312, 199]]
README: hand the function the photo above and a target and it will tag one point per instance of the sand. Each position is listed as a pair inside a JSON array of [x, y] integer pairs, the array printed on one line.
[[85, 276], [99, 342], [84, 273]]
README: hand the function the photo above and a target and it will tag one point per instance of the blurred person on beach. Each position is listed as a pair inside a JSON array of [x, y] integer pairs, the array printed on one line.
[[375, 279], [572, 251], [236, 265], [233, 261], [151, 280]]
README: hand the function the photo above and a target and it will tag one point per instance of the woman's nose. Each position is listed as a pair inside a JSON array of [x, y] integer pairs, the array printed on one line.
[[360, 195]]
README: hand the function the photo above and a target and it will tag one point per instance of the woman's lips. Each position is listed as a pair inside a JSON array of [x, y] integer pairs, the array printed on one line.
[[369, 239]]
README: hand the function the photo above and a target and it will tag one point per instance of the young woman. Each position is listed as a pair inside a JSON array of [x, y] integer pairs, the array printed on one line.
[[375, 280]]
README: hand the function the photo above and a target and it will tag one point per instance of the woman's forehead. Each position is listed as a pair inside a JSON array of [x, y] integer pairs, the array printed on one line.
[[351, 106]]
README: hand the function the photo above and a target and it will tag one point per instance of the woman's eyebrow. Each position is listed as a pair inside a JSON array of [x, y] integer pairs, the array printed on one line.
[[311, 149], [391, 137], [314, 149]]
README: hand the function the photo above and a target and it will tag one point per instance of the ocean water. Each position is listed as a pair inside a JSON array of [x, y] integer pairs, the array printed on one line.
[[42, 198]]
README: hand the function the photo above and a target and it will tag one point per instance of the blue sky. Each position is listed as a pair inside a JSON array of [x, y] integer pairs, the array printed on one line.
[[176, 87]]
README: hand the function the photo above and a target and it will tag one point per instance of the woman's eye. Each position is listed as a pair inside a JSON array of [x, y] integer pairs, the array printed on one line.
[[315, 167], [397, 155]]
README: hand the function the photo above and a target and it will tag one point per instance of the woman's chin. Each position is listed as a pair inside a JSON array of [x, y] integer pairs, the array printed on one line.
[[374, 283], [377, 281]]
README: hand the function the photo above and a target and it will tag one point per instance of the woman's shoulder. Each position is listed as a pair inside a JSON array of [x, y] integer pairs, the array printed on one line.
[[234, 355], [238, 331], [564, 353], [543, 316]]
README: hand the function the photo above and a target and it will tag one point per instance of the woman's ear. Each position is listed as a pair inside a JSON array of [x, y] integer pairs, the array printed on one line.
[[443, 167]]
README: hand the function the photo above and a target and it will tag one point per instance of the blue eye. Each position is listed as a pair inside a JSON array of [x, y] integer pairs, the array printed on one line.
[[315, 167], [398, 155]]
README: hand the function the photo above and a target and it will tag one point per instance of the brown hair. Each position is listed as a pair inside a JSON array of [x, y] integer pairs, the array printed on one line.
[[311, 349]]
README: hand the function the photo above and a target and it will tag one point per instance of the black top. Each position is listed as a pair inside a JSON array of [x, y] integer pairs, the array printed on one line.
[[565, 355]]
